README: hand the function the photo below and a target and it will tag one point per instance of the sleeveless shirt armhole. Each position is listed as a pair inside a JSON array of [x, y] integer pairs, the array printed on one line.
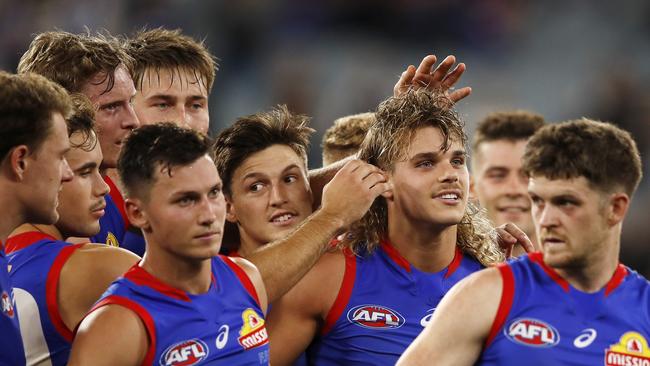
[[141, 312], [507, 295], [51, 291], [345, 291], [243, 278]]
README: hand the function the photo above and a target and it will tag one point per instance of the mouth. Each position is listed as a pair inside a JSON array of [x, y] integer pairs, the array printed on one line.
[[283, 218], [451, 197], [208, 236], [550, 241], [513, 209]]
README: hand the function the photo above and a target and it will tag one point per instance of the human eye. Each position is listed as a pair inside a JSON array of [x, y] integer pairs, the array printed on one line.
[[290, 178], [256, 187]]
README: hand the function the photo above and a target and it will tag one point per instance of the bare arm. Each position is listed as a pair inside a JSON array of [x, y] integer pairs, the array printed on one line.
[[474, 300], [111, 335], [345, 200], [255, 278], [85, 277], [295, 318]]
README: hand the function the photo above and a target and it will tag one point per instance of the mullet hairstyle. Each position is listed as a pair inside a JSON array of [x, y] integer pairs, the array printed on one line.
[[74, 59], [159, 48], [388, 142], [158, 146], [27, 103], [604, 154], [345, 137], [254, 133]]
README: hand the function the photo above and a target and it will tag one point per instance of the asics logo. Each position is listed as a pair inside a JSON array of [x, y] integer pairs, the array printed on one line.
[[585, 338]]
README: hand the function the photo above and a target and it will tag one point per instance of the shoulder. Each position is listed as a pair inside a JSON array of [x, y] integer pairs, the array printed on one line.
[[258, 290], [100, 260]]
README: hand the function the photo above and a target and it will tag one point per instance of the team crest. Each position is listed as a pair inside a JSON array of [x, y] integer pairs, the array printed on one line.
[[632, 349], [253, 331], [112, 240], [7, 304], [532, 332]]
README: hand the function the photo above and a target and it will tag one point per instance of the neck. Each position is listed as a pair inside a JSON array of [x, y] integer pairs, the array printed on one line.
[[247, 245], [12, 215], [427, 247], [190, 275], [50, 230], [597, 268]]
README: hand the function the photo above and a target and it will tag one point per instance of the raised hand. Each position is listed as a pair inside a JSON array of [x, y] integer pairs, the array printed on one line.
[[439, 78]]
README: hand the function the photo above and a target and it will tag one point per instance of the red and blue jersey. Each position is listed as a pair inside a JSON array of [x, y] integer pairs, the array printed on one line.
[[225, 324], [114, 223], [382, 306], [11, 345], [36, 260], [544, 320]]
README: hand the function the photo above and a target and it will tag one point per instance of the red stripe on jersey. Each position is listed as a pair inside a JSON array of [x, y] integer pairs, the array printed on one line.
[[507, 295], [140, 276], [116, 195], [51, 291], [455, 263], [23, 240], [345, 292], [538, 258], [243, 277], [144, 316], [394, 255], [617, 279]]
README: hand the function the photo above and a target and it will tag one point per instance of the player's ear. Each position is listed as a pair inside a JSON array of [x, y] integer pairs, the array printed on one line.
[[617, 206], [137, 217], [231, 215], [472, 189], [18, 162]]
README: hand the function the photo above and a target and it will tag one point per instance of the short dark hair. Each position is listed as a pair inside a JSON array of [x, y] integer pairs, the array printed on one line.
[[27, 103], [73, 59], [161, 48], [604, 154], [82, 121], [345, 136], [256, 132], [507, 125], [161, 144]]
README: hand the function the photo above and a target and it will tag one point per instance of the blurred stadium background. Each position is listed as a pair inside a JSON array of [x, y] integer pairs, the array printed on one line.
[[563, 59]]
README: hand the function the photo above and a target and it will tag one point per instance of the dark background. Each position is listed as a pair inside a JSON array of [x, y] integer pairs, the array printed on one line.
[[327, 59]]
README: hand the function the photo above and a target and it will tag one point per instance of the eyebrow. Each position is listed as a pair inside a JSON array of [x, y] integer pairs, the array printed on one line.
[[89, 165], [256, 174], [436, 155], [172, 97]]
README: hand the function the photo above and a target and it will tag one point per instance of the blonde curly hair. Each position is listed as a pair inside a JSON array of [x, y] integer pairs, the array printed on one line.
[[387, 142]]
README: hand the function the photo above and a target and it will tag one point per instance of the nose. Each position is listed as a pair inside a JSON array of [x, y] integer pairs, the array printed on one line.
[[449, 174], [546, 216], [66, 172], [130, 120], [517, 185], [278, 195], [212, 210], [100, 188]]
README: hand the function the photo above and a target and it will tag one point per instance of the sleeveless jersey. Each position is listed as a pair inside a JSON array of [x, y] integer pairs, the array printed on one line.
[[37, 260], [382, 306], [224, 325], [113, 225], [11, 345], [544, 320]]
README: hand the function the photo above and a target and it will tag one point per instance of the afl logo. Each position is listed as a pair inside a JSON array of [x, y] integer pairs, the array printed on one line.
[[7, 306], [375, 317], [185, 353], [532, 332]]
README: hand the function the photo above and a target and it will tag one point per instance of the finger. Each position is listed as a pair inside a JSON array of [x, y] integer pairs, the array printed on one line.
[[522, 238], [505, 237], [452, 78], [381, 188], [426, 65], [404, 81], [374, 178], [459, 94], [442, 69]]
